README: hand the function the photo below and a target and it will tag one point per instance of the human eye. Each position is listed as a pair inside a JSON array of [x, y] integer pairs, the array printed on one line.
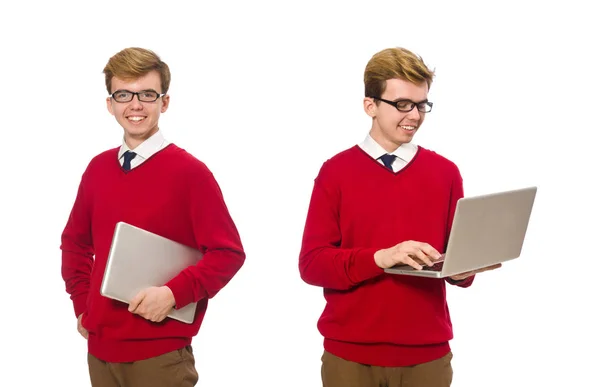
[[122, 94], [404, 105], [149, 95]]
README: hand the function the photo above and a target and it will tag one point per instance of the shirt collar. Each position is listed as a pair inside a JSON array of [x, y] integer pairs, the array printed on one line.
[[147, 148], [405, 151]]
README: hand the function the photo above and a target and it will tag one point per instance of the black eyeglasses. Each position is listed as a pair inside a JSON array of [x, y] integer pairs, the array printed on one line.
[[406, 105], [143, 96]]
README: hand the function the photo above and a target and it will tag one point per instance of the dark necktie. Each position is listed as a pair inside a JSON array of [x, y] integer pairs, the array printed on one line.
[[388, 160], [127, 157]]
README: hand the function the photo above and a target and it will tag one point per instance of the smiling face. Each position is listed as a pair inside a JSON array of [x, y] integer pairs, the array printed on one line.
[[392, 128], [139, 120]]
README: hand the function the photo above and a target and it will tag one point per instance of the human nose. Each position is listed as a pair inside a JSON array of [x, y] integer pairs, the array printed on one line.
[[414, 113], [135, 102]]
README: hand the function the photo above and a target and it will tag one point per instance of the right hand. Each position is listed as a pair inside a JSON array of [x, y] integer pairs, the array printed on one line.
[[82, 331], [410, 253]]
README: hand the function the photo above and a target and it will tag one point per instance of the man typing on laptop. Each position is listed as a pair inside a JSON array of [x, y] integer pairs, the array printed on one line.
[[375, 205]]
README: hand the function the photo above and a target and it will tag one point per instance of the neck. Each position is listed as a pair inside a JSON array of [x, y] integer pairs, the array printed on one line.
[[389, 146], [135, 141]]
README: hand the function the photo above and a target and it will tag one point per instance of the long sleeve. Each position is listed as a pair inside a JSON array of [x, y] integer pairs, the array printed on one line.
[[218, 239], [322, 261], [78, 250], [457, 192]]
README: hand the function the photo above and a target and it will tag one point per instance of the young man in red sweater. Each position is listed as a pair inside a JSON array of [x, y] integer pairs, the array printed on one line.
[[157, 186], [381, 203]]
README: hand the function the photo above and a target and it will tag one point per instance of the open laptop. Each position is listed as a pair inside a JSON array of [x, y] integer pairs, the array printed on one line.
[[139, 259], [486, 230]]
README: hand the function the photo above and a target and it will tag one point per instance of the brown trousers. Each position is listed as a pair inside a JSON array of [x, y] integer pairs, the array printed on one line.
[[173, 369], [337, 372]]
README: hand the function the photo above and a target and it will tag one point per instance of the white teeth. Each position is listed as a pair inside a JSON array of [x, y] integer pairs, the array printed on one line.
[[135, 118], [408, 127]]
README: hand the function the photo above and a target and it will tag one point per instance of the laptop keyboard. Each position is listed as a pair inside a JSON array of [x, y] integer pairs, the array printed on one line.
[[435, 267]]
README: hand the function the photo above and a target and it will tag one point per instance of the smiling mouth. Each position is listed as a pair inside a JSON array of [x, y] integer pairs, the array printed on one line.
[[410, 128], [136, 118]]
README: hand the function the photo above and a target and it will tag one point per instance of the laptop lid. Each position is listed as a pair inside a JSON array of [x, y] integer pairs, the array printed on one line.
[[486, 230], [139, 259]]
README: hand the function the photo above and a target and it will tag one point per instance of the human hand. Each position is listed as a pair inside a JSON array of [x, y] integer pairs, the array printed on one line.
[[153, 303], [410, 253], [462, 276], [82, 331]]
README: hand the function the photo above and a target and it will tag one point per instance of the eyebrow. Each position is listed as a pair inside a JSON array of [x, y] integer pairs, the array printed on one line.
[[410, 100], [141, 91]]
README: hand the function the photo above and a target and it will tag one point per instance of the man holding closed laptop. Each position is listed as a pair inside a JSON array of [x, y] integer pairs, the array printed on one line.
[[154, 185], [382, 203]]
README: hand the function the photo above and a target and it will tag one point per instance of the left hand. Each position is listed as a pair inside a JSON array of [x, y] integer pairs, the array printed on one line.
[[153, 303], [462, 276]]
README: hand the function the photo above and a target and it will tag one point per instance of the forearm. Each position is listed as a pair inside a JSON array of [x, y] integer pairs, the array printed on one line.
[[207, 277], [78, 252], [76, 271], [336, 268], [216, 236], [322, 261]]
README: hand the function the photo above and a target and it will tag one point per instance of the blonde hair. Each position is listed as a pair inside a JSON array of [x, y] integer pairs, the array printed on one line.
[[394, 63], [134, 62]]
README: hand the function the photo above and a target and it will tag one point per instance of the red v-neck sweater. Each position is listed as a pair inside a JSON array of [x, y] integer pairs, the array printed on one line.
[[357, 208], [171, 194]]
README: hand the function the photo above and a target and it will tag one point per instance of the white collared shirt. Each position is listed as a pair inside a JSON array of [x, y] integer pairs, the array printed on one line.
[[145, 150], [404, 153]]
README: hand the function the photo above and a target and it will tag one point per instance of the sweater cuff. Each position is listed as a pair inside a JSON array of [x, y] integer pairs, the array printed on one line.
[[365, 267], [181, 291], [80, 304], [465, 283]]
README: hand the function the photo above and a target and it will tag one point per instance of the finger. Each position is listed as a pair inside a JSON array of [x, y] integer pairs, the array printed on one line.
[[473, 272], [426, 249], [431, 254], [479, 271], [153, 317], [159, 317], [82, 331], [405, 256], [430, 251], [420, 255], [407, 260], [493, 267], [136, 301], [462, 276]]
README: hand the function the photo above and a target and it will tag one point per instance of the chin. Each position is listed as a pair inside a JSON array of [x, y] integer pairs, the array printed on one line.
[[137, 132], [405, 139]]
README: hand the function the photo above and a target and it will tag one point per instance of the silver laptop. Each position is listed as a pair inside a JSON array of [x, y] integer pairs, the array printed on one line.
[[139, 259], [486, 230]]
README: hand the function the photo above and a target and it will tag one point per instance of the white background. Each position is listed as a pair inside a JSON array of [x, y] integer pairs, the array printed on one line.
[[516, 99]]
